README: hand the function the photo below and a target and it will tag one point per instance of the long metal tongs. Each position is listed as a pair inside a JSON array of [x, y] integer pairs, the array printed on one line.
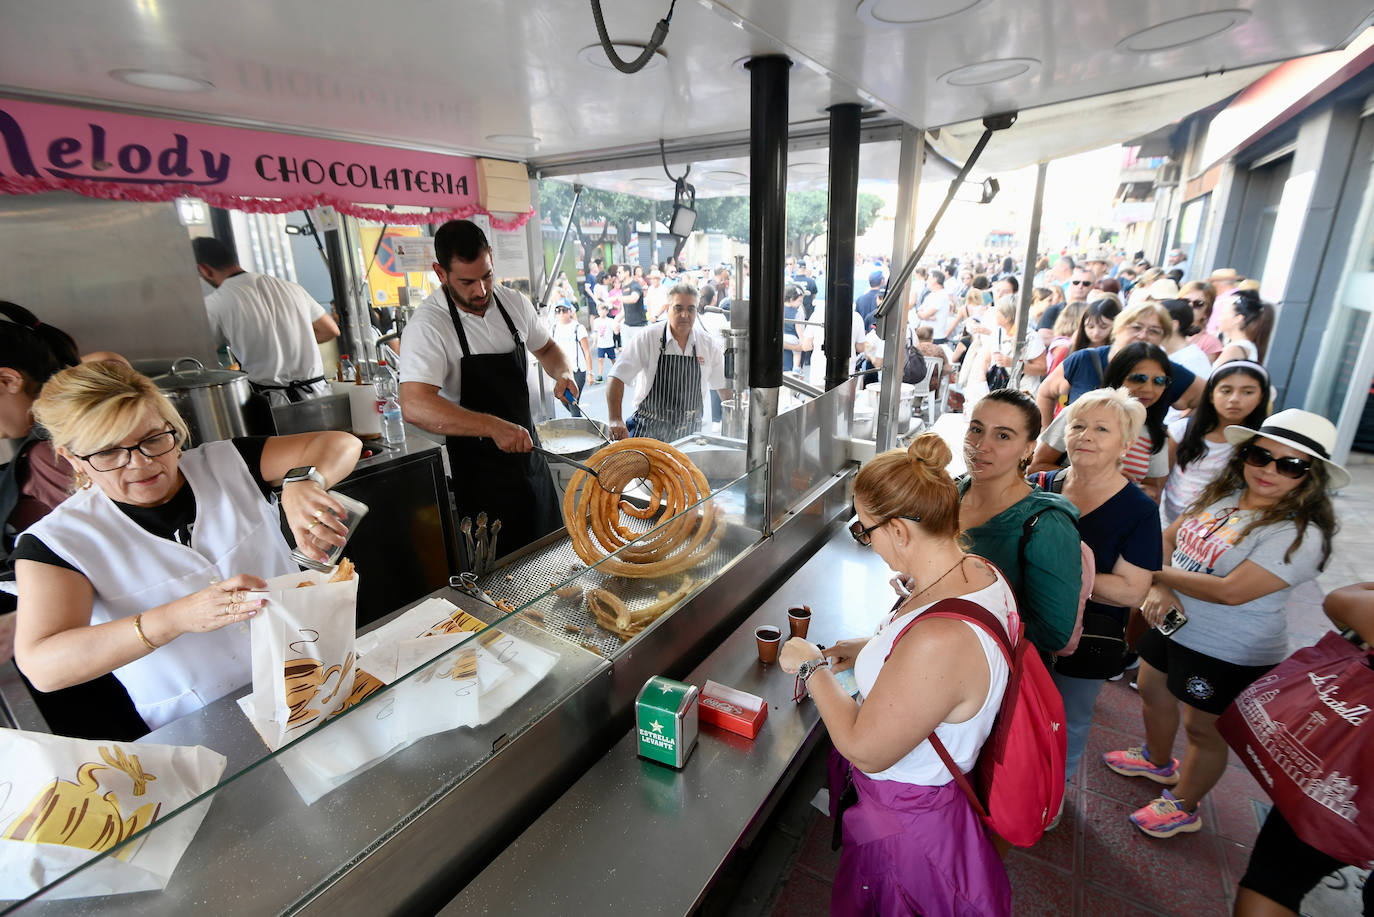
[[616, 473]]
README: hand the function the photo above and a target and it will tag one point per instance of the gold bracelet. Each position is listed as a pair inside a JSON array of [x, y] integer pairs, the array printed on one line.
[[138, 629]]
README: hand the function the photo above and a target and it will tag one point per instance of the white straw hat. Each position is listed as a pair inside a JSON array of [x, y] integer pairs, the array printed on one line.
[[1302, 430]]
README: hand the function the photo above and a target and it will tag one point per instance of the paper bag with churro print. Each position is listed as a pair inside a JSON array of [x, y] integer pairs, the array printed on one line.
[[65, 801], [303, 653]]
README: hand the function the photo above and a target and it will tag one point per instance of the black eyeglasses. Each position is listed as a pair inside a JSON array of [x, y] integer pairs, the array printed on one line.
[[864, 536], [1082, 283], [1142, 378], [1288, 466], [116, 457]]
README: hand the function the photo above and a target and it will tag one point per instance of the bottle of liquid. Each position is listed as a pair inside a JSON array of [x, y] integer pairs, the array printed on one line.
[[393, 426], [347, 372]]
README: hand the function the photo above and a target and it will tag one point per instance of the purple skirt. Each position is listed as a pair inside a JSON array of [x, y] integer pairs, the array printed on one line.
[[913, 850]]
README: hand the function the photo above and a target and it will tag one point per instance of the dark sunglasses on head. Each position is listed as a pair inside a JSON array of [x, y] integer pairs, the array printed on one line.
[[1142, 378], [1288, 466]]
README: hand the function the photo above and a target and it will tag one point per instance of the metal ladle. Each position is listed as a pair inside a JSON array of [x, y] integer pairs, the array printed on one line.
[[621, 469]]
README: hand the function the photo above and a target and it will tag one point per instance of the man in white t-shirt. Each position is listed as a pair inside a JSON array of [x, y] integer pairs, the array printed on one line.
[[571, 337], [272, 326], [465, 374], [655, 296], [936, 310]]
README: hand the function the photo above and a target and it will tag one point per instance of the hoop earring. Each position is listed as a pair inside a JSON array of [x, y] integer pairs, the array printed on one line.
[[83, 480]]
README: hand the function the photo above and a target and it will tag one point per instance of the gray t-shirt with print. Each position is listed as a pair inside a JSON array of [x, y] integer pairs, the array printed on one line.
[[1256, 632]]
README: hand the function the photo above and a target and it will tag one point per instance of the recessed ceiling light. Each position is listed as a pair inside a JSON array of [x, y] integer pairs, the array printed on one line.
[[1183, 31], [808, 168], [167, 82], [514, 139], [890, 14], [991, 71], [595, 55], [727, 175]]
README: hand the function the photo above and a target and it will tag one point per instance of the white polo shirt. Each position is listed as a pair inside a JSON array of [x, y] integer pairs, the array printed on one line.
[[637, 364], [267, 323], [430, 352]]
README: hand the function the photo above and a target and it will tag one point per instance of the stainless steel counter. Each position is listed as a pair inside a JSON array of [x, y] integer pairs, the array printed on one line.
[[633, 837]]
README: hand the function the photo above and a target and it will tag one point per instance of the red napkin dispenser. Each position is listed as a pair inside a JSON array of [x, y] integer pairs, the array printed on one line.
[[731, 709]]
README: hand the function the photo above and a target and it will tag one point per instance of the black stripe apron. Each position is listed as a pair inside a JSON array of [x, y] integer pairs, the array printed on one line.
[[516, 488], [672, 409]]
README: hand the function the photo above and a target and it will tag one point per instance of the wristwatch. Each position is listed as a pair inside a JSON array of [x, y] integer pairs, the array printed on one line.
[[809, 667], [304, 473]]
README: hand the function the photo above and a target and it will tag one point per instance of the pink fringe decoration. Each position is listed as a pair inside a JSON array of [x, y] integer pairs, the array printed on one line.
[[165, 192]]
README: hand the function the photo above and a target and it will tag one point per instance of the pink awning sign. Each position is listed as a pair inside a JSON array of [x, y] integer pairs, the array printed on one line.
[[131, 157]]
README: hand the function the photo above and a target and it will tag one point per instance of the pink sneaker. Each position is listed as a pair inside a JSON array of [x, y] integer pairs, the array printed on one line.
[[1165, 817], [1133, 762]]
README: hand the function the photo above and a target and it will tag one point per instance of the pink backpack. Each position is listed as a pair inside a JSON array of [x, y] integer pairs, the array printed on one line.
[[1088, 561], [1018, 780]]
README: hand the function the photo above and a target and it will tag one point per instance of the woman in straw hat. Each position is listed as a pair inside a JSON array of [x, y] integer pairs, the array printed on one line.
[[1260, 529]]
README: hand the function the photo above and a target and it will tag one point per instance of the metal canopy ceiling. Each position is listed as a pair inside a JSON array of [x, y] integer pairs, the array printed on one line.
[[477, 75]]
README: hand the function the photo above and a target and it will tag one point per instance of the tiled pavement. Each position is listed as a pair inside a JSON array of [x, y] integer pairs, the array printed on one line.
[[1096, 863]]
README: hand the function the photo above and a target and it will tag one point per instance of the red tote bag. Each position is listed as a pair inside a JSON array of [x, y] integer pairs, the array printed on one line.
[[1306, 732]]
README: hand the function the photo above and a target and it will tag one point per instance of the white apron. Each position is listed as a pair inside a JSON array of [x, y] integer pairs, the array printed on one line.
[[131, 570]]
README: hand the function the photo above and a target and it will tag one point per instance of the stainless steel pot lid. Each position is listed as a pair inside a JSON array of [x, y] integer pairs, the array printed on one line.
[[197, 376]]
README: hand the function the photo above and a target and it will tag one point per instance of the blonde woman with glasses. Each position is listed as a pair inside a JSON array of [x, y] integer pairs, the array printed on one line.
[[141, 571]]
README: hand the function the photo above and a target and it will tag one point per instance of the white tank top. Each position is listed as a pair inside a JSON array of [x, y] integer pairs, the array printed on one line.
[[132, 570], [922, 766]]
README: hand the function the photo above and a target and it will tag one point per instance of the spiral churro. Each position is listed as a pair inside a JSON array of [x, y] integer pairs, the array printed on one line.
[[594, 516]]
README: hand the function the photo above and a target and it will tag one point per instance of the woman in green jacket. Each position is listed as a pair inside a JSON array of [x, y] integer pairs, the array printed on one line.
[[1030, 534]]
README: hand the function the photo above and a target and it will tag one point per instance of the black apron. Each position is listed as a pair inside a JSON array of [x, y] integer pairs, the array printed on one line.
[[673, 408], [513, 487]]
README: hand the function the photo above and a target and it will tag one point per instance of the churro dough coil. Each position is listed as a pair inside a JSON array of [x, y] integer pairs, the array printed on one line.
[[597, 530]]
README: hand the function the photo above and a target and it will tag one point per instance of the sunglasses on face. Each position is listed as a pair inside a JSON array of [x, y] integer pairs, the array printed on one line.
[[864, 536], [1142, 378], [1289, 466], [1081, 283], [1198, 303]]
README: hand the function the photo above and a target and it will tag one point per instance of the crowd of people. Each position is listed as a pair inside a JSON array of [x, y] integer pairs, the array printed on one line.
[[1135, 456]]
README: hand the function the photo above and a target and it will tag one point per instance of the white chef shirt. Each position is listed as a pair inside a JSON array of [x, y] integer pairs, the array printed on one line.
[[267, 322], [817, 335], [637, 364], [430, 347]]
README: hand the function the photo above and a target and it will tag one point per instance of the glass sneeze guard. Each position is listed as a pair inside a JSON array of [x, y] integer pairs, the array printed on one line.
[[262, 847]]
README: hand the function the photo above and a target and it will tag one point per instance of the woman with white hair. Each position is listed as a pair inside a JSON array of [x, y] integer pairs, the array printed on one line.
[[1121, 525]]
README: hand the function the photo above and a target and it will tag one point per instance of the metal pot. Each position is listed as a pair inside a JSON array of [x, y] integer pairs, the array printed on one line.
[[574, 437], [215, 403]]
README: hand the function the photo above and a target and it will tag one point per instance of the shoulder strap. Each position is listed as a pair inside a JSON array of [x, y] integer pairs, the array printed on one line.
[[961, 609], [1097, 364], [964, 610]]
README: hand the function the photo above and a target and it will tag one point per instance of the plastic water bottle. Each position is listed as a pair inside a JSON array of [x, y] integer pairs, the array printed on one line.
[[347, 372], [393, 426]]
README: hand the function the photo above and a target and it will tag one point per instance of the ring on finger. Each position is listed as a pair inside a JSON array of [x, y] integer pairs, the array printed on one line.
[[312, 525], [319, 514]]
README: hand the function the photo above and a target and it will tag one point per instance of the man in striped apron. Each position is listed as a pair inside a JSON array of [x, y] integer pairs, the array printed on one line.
[[674, 361]]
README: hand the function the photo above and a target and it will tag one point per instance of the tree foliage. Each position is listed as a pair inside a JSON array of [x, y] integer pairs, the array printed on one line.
[[807, 215]]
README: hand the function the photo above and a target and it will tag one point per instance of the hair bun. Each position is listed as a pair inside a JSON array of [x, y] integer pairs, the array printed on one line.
[[929, 452]]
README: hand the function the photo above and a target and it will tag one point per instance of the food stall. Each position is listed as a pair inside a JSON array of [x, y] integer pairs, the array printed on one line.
[[404, 798]]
